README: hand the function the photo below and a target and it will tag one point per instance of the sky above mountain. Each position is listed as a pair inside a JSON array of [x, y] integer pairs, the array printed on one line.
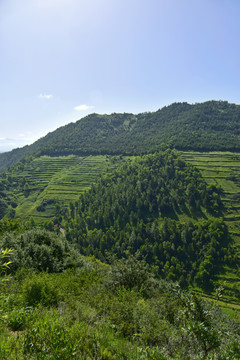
[[63, 59]]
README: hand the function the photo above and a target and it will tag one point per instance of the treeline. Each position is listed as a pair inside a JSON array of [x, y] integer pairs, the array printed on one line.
[[209, 126], [137, 208]]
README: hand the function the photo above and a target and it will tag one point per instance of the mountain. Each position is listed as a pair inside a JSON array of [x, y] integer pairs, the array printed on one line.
[[157, 205], [145, 222], [209, 126]]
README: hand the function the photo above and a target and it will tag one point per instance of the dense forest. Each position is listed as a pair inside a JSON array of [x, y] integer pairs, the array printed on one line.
[[138, 209], [213, 125]]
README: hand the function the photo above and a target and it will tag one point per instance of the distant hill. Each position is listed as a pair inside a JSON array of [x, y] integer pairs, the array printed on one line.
[[209, 126]]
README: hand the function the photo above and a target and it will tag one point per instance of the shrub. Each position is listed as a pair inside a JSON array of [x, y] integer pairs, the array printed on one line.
[[131, 273], [18, 318], [40, 250], [40, 289]]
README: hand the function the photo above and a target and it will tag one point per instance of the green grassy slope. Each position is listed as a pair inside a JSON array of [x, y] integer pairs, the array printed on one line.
[[224, 169], [53, 180], [80, 315], [61, 305]]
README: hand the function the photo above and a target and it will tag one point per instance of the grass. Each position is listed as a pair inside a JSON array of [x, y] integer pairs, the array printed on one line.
[[56, 180], [223, 169], [79, 316]]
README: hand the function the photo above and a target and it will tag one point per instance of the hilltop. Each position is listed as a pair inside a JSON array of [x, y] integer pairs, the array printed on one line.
[[208, 126], [158, 205]]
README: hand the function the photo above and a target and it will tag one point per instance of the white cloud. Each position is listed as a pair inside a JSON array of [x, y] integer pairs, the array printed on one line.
[[7, 144], [45, 96], [83, 107]]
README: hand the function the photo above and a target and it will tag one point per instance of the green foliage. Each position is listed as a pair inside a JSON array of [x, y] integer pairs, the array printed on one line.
[[47, 182], [136, 208], [74, 315], [213, 125], [147, 216], [11, 225], [3, 255], [4, 265], [26, 189], [40, 290], [40, 250], [49, 341], [131, 273], [222, 170], [196, 317], [18, 318], [3, 207]]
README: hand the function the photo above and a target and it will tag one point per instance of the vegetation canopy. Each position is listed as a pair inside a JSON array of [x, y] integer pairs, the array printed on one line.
[[209, 126], [139, 207], [113, 247]]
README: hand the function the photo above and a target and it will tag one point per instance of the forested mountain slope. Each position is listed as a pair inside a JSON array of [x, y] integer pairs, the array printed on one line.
[[157, 205], [213, 125]]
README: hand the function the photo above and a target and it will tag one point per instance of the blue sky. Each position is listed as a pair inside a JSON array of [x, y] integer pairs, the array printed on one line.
[[63, 59]]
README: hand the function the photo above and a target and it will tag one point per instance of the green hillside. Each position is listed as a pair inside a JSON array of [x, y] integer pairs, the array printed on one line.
[[150, 218], [213, 125], [81, 308], [222, 169], [47, 188], [140, 222], [37, 186], [160, 206]]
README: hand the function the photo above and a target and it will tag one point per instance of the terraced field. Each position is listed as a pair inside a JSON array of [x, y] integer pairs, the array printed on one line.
[[64, 178], [224, 169], [54, 180], [59, 180]]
